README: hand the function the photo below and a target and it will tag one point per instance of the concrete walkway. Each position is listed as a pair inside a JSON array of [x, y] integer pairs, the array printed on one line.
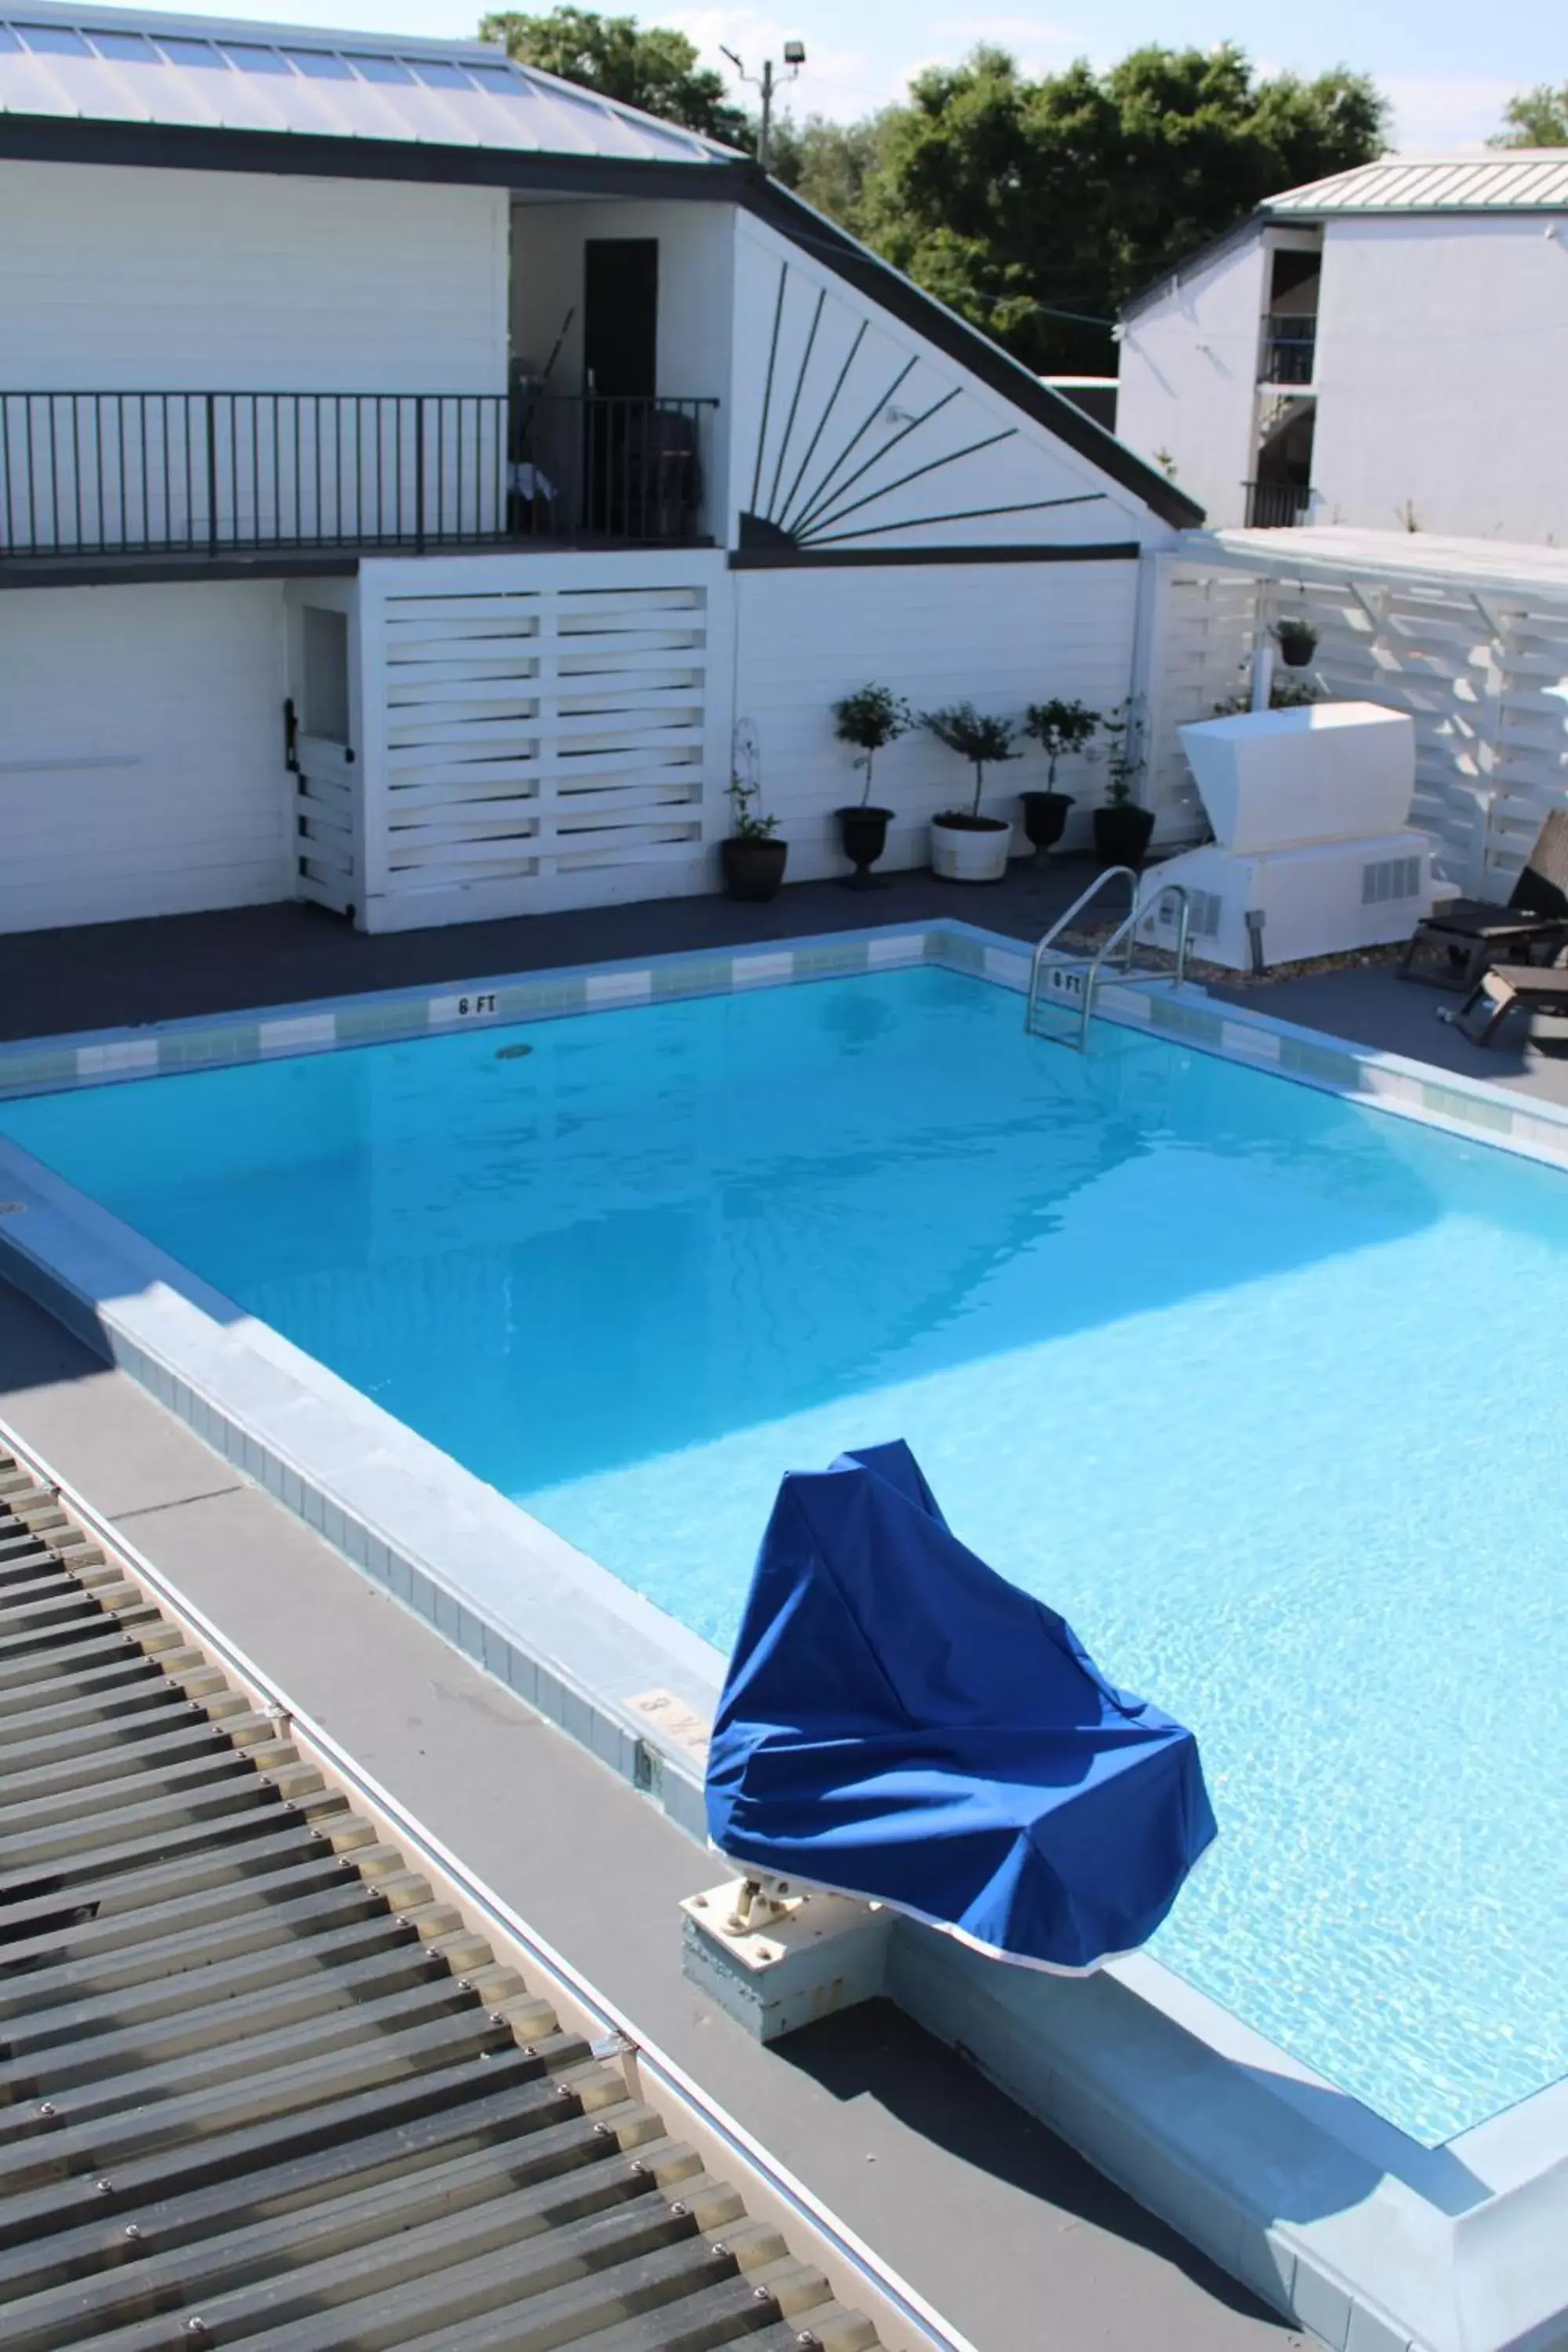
[[1013, 2238]]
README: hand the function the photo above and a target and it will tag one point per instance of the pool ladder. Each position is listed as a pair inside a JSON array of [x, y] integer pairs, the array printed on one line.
[[1072, 982]]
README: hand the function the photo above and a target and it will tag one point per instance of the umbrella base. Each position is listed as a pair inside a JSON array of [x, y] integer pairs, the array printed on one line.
[[795, 1958]]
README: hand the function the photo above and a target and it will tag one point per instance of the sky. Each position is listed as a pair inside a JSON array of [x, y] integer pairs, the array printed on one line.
[[1449, 67]]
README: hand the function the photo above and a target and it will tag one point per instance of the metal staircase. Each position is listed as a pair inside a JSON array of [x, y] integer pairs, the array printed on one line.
[[1069, 983], [263, 2081]]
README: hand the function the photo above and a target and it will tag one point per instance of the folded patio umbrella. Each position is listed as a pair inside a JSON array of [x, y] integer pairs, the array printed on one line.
[[902, 1724]]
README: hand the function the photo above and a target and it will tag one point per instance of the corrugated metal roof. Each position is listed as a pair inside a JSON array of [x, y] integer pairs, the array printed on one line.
[[260, 2082], [1532, 179], [122, 65]]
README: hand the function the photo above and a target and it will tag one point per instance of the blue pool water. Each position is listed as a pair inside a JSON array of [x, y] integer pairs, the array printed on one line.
[[1262, 1390]]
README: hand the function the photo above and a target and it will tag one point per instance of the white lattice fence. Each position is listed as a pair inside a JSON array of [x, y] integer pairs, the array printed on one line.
[[1201, 633], [1483, 672], [544, 744]]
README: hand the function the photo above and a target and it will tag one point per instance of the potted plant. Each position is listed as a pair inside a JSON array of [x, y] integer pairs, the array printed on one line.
[[869, 721], [1057, 728], [1284, 694], [1122, 829], [1298, 642], [753, 862], [965, 845]]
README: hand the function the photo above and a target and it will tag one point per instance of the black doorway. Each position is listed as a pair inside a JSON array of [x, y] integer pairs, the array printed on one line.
[[620, 316]]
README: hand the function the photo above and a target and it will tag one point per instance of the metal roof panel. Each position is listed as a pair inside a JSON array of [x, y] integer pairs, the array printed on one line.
[[125, 65], [1526, 179]]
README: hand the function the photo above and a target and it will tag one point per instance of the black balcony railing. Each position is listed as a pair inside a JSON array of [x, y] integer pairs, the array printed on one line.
[[1276, 506], [1289, 347], [137, 473]]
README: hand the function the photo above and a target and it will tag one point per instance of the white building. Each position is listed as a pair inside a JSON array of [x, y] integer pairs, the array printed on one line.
[[413, 469], [1385, 351]]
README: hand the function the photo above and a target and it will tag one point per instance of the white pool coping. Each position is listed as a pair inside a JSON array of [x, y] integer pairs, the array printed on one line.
[[1373, 2242]]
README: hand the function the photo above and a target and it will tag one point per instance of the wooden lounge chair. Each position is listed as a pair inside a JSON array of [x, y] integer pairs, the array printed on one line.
[[1507, 987], [1467, 934]]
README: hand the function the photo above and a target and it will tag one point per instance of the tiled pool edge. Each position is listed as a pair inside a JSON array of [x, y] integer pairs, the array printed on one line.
[[429, 1532], [1140, 2074], [1468, 1107]]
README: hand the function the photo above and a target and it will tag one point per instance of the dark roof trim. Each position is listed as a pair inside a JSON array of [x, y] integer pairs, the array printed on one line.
[[952, 335], [181, 147], [294, 154], [842, 559], [141, 571]]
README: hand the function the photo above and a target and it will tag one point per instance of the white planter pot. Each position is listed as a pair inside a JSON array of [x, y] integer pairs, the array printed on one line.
[[958, 855]]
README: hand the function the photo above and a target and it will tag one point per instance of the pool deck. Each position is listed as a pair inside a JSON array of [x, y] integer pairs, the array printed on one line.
[[1015, 2239], [55, 982]]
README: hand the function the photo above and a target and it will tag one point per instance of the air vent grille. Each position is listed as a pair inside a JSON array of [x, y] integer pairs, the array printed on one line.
[[1390, 877]]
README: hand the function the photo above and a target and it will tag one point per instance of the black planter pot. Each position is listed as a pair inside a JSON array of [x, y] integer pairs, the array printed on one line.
[[1296, 647], [1045, 815], [1121, 834], [754, 870], [863, 835]]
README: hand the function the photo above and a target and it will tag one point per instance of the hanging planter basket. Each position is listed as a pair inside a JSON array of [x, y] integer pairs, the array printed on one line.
[[1298, 642]]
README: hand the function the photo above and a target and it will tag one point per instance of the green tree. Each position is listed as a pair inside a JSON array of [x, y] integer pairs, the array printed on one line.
[[1536, 118], [655, 70], [829, 164], [1035, 208]]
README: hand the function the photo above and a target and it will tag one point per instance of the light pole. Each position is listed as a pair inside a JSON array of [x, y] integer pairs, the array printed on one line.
[[793, 57]]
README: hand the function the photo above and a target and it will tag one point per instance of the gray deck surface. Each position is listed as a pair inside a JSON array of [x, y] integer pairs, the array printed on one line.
[[107, 974], [1021, 2244]]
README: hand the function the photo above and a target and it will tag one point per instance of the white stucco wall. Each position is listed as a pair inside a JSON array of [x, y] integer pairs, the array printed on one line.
[[604, 781], [1186, 383], [142, 752], [830, 391], [821, 395], [694, 268], [1001, 635], [696, 263], [121, 279], [1443, 359]]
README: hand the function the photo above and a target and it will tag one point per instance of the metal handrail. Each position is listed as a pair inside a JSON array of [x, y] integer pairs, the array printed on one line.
[[1123, 936], [1289, 347], [1183, 923], [1276, 506], [1047, 941], [154, 473]]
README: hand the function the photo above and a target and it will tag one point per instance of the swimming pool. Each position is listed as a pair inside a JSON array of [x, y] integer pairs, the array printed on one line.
[[1187, 1349]]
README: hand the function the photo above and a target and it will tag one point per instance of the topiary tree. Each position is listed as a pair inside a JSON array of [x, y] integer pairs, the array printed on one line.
[[1059, 727], [870, 720], [980, 740]]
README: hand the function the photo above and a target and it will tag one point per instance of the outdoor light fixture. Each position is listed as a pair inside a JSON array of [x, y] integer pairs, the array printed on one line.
[[767, 83]]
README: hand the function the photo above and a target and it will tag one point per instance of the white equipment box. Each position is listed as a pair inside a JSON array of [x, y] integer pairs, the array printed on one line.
[[1309, 809]]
